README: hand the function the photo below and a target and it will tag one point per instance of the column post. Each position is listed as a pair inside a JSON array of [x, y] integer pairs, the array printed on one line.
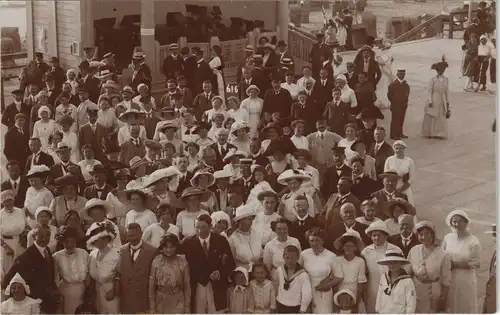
[[284, 19], [148, 35]]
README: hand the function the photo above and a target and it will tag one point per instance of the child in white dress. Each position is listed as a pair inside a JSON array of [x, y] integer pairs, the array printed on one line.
[[44, 127], [240, 296], [259, 177], [263, 290]]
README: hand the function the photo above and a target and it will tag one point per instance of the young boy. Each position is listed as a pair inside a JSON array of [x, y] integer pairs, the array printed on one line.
[[294, 286]]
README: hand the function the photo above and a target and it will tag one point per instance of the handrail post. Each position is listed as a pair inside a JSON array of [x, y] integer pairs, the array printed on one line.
[[450, 26]]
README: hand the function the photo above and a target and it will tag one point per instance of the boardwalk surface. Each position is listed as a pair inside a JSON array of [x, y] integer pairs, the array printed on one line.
[[459, 172]]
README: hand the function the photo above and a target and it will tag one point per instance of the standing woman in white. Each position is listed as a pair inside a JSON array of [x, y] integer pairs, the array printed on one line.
[[385, 59], [404, 166]]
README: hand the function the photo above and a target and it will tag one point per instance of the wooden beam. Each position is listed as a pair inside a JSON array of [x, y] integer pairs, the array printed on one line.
[[29, 30]]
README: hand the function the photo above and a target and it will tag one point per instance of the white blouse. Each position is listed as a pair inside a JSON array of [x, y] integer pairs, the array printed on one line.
[[185, 222], [293, 88], [153, 233], [273, 251], [239, 115], [262, 225], [71, 139], [144, 218], [71, 268], [103, 269], [246, 247], [43, 130], [37, 198], [28, 306], [354, 273], [86, 167], [320, 266], [12, 223], [300, 142]]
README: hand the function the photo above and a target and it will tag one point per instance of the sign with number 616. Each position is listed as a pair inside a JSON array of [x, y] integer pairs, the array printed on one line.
[[232, 90]]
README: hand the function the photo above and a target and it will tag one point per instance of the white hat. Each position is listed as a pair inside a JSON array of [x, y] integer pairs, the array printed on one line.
[[392, 256], [233, 152], [104, 74], [221, 131], [243, 271], [242, 212], [194, 180], [292, 174], [129, 112], [378, 225], [40, 170], [341, 77], [160, 174], [41, 209], [351, 233], [252, 87], [93, 203], [96, 64], [399, 142], [18, 279], [219, 216], [99, 230], [343, 291], [458, 212], [42, 109], [222, 174], [239, 126]]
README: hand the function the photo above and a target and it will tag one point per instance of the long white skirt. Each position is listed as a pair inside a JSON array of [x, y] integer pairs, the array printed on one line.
[[104, 306], [322, 302], [73, 296], [8, 260], [383, 85]]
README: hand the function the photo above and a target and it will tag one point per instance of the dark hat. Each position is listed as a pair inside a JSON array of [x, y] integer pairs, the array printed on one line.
[[115, 165], [283, 145], [84, 65], [65, 180], [185, 50], [338, 150], [269, 126], [54, 59], [153, 145], [123, 173], [98, 169], [17, 92], [61, 146], [39, 54], [197, 49], [371, 113], [389, 173], [108, 55], [246, 161], [201, 125], [401, 71], [355, 143], [191, 191], [281, 43], [304, 153]]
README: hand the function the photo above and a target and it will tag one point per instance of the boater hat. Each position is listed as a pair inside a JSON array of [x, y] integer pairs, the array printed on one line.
[[339, 242], [38, 171], [393, 256], [94, 203], [287, 175]]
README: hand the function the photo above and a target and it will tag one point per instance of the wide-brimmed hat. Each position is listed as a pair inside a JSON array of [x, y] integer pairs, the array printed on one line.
[[194, 180], [393, 256], [127, 89], [98, 169], [378, 225], [252, 87], [239, 126], [123, 172], [62, 146], [138, 55], [65, 180], [173, 46], [287, 175], [458, 212], [389, 173], [166, 124], [108, 55], [131, 113], [94, 203], [343, 291], [283, 145], [111, 84], [222, 174], [140, 192], [38, 171], [269, 126], [218, 216], [407, 207], [104, 74], [349, 234], [191, 191], [136, 162], [18, 279], [233, 152], [171, 172], [99, 230], [201, 125], [243, 212]]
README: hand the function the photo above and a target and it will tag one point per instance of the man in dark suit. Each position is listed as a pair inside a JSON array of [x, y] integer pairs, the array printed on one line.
[[31, 100], [370, 66], [348, 21], [182, 163], [334, 173], [245, 82], [16, 107], [363, 186], [203, 72], [52, 89], [316, 54], [15, 182], [172, 65], [221, 147], [37, 157], [88, 82], [203, 101], [142, 72], [93, 134], [367, 122], [348, 222], [406, 239], [322, 89], [384, 195], [331, 210], [100, 188], [304, 222], [57, 71], [64, 167], [283, 54], [398, 93], [259, 77], [16, 141], [151, 119], [36, 267], [351, 75], [133, 146], [277, 99], [380, 150], [189, 67], [211, 251], [153, 149], [337, 113]]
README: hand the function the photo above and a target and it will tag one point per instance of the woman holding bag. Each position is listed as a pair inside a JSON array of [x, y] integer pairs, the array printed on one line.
[[437, 111]]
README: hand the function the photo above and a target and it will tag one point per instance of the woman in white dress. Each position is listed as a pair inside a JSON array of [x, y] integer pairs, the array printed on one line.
[[241, 141], [253, 105], [139, 213], [54, 140], [118, 197], [351, 134], [324, 271], [37, 195], [430, 269], [87, 164], [464, 250], [378, 233], [353, 266], [217, 66], [385, 60], [404, 166], [103, 267], [261, 185], [71, 79], [44, 127], [71, 270], [144, 93], [70, 138], [245, 243], [154, 233], [13, 224], [218, 106], [235, 111]]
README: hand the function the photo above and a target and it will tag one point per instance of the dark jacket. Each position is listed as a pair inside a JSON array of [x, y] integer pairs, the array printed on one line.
[[9, 115], [337, 230], [96, 140], [91, 192], [172, 67], [220, 164], [382, 154], [374, 72], [280, 102], [143, 75], [398, 241], [382, 209], [202, 74], [364, 186], [329, 185], [398, 94], [21, 190], [261, 80], [16, 146], [352, 79], [43, 159], [298, 230]]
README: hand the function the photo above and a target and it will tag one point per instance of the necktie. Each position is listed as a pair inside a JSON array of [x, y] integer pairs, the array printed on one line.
[[133, 251], [46, 256], [405, 242], [205, 247], [15, 186], [248, 82], [322, 136], [207, 96], [21, 131], [302, 223], [324, 83]]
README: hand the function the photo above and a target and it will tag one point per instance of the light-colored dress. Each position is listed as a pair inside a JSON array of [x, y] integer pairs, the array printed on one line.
[[435, 123], [71, 271], [242, 145], [43, 130], [103, 269], [52, 242], [264, 296], [246, 247], [430, 272], [239, 115], [71, 139], [71, 111], [28, 306], [262, 224], [354, 272], [405, 168], [385, 60], [12, 224], [293, 88], [118, 199], [86, 166], [217, 66], [154, 233], [144, 218], [185, 222], [252, 199], [169, 285], [372, 254], [463, 291], [319, 267], [254, 108], [35, 199], [239, 299]]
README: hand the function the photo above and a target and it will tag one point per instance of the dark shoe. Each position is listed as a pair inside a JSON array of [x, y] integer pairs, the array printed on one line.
[[404, 137]]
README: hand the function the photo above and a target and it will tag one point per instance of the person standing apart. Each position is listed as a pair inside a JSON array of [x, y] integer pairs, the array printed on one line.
[[398, 93], [437, 110], [385, 60]]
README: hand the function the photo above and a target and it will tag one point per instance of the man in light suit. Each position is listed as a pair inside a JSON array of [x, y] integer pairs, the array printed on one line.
[[133, 146], [320, 146], [136, 258], [380, 150]]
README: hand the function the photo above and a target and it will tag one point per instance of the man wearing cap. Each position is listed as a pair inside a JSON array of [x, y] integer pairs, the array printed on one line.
[[398, 93], [14, 108], [277, 99], [33, 72], [64, 167], [172, 65], [16, 141], [384, 195], [142, 72], [93, 134], [88, 82], [134, 146], [57, 71]]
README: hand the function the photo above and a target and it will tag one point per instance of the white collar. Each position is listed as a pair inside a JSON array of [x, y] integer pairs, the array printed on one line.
[[65, 164], [136, 247], [302, 219], [40, 249], [408, 239], [321, 133], [16, 181], [223, 146], [38, 153], [379, 144], [199, 61], [205, 239]]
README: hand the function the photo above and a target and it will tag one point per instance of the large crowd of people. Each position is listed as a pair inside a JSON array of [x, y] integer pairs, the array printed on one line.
[[286, 198]]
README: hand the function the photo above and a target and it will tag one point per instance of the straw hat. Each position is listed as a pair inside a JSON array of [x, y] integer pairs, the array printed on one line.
[[111, 84], [458, 212], [94, 203], [239, 126], [393, 256], [243, 212], [191, 191], [389, 173], [343, 291], [170, 172], [104, 74], [38, 171], [99, 230], [378, 225], [61, 147], [222, 174], [219, 216], [167, 124], [252, 87], [131, 113], [136, 162], [18, 279], [233, 152], [194, 180], [349, 234], [287, 175]]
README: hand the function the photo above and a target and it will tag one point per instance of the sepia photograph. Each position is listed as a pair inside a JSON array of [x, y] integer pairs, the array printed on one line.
[[257, 157]]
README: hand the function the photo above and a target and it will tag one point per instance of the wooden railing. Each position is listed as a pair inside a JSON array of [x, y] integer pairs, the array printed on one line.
[[427, 29], [300, 44], [458, 21]]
